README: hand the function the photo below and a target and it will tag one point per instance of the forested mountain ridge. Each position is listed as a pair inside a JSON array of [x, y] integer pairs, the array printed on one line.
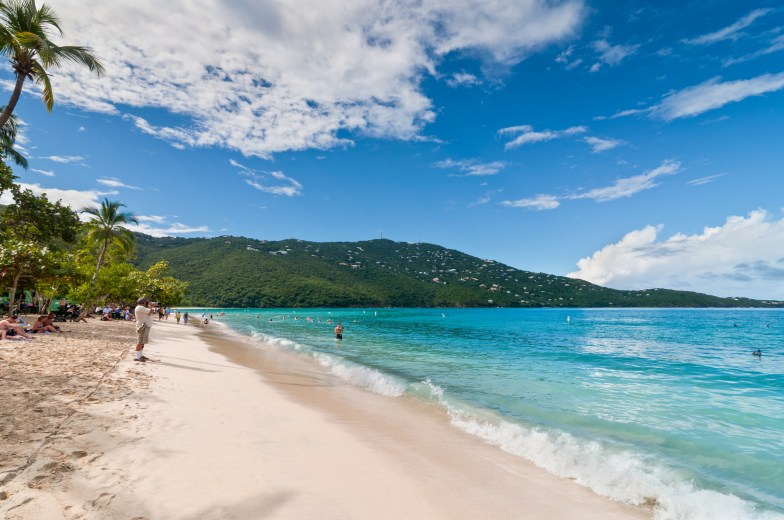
[[240, 272]]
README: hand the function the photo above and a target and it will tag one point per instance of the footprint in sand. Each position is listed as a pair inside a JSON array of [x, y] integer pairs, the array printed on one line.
[[103, 500], [78, 454]]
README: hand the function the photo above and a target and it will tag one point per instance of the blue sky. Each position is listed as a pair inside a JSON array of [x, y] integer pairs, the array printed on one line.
[[634, 144]]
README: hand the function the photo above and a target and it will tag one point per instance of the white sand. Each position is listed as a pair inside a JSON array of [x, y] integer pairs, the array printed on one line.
[[229, 431]]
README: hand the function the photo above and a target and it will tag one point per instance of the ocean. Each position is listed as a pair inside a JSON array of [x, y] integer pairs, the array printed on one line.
[[665, 407]]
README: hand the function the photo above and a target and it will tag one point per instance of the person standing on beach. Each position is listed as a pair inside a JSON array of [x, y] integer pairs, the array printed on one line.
[[143, 314], [339, 331], [185, 318], [177, 316]]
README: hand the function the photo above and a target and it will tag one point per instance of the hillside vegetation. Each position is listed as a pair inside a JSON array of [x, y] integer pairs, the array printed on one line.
[[242, 272]]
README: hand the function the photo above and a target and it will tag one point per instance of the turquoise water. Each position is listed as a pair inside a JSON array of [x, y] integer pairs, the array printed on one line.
[[656, 406]]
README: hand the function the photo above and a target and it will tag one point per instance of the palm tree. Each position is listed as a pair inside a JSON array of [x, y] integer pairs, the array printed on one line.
[[25, 38], [106, 228], [7, 141]]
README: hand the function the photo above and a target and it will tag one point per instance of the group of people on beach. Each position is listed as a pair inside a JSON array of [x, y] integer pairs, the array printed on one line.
[[15, 328]]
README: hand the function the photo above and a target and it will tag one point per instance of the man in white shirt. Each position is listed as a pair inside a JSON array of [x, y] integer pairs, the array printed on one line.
[[143, 314]]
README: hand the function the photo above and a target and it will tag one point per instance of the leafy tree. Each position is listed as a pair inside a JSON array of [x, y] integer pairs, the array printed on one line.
[[6, 177], [25, 37], [37, 231], [122, 282], [161, 288]]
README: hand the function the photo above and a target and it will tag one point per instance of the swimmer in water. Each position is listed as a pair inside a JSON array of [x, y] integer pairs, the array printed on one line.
[[757, 352]]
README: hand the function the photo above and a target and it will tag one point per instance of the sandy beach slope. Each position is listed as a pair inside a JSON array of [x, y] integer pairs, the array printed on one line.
[[215, 428]]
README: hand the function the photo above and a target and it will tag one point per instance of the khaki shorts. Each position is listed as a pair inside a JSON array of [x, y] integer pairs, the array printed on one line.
[[143, 334]]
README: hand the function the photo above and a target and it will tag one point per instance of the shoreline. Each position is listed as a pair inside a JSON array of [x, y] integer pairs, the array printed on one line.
[[218, 427]]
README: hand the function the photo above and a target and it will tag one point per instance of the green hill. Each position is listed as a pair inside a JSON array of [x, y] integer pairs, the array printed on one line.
[[241, 272]]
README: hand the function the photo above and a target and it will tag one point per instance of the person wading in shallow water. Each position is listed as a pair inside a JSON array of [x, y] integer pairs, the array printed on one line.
[[143, 314], [339, 331]]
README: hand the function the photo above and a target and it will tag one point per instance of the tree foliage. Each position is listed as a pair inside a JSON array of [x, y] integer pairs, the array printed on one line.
[[38, 232]]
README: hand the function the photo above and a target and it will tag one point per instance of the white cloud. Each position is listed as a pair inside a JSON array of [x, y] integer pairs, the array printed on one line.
[[76, 200], [113, 182], [539, 202], [775, 45], [157, 219], [281, 185], [566, 58], [462, 79], [266, 77], [64, 159], [742, 257], [705, 180], [611, 55], [472, 167], [714, 94], [47, 173], [621, 188], [175, 228], [529, 136], [629, 186], [731, 32], [602, 145]]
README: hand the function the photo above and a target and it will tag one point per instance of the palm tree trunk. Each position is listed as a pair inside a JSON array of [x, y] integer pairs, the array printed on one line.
[[87, 307], [100, 260], [9, 108]]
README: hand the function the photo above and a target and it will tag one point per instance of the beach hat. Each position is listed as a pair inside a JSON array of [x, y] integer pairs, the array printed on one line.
[[142, 300]]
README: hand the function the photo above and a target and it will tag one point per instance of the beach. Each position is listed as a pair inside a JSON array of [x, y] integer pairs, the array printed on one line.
[[214, 427]]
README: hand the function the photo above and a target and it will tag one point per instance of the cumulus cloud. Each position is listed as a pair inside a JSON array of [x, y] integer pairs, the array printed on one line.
[[731, 32], [742, 257], [75, 199], [529, 136], [539, 202], [472, 167], [267, 77]]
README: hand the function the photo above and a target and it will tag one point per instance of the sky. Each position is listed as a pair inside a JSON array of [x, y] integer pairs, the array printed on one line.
[[632, 144]]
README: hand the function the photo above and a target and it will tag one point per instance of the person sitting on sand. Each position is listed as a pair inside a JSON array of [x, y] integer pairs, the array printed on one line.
[[49, 321], [41, 327], [11, 327]]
